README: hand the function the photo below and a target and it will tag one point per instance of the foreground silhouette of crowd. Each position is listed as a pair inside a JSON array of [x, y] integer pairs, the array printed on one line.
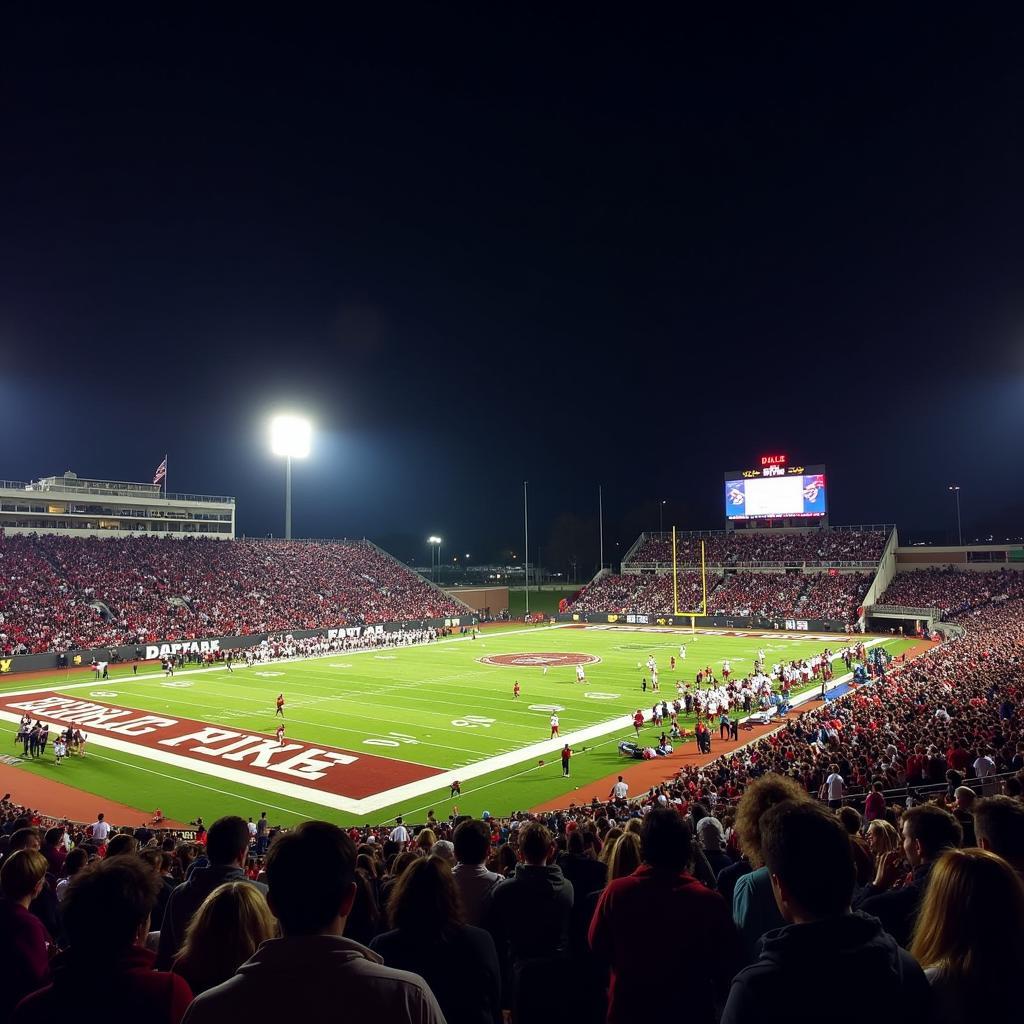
[[866, 859], [167, 590]]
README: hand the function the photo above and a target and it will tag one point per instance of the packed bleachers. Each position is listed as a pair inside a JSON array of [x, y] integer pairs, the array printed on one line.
[[953, 591], [158, 589], [770, 595], [489, 914], [807, 547]]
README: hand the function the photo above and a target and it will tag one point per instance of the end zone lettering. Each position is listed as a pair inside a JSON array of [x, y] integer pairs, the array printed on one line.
[[154, 651], [333, 634]]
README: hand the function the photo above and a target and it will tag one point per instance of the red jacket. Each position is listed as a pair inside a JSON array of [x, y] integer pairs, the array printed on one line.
[[126, 979], [629, 922]]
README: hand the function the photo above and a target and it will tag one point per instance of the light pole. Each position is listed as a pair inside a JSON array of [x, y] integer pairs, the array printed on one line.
[[291, 437], [955, 488], [661, 516], [435, 548]]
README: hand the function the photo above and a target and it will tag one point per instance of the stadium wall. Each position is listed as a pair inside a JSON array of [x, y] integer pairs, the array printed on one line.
[[162, 648], [481, 599], [706, 621]]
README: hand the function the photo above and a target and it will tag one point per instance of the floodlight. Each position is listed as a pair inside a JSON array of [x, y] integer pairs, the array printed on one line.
[[290, 436]]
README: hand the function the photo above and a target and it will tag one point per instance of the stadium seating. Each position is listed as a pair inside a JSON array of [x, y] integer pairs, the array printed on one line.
[[771, 595], [810, 547], [155, 589], [952, 590]]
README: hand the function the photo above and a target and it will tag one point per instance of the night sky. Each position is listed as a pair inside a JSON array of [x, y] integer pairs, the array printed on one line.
[[490, 243]]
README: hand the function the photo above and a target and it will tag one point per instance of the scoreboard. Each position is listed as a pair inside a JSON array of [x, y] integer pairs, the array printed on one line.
[[776, 489]]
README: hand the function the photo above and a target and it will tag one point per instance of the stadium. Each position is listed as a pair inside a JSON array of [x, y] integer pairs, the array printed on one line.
[[502, 510]]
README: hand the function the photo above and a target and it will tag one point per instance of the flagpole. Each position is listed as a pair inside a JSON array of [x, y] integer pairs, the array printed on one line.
[[526, 539], [165, 476], [600, 518]]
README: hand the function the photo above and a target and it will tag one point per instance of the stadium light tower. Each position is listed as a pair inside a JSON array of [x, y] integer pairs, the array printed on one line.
[[955, 488], [435, 549], [661, 516], [290, 436]]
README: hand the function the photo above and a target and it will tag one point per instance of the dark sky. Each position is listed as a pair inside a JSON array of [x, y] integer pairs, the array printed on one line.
[[490, 243]]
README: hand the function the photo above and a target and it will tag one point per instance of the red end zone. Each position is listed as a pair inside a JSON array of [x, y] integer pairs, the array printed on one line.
[[328, 769]]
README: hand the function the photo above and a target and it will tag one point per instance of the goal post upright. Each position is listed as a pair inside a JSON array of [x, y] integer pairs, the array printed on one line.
[[692, 615]]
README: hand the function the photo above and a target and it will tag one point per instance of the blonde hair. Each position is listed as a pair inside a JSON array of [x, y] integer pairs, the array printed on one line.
[[969, 926], [21, 873], [611, 838], [888, 837], [226, 930], [625, 858], [425, 839]]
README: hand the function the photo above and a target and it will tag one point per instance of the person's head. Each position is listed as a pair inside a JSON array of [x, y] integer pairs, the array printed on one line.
[[227, 842], [665, 840], [535, 843], [25, 839], [122, 845], [928, 830], [999, 826], [882, 837], [625, 857], [964, 797], [75, 861], [23, 876], [809, 855], [970, 920], [472, 841], [425, 839], [757, 798], [444, 850], [226, 930], [107, 906], [425, 899], [850, 819], [310, 874], [54, 835], [711, 834]]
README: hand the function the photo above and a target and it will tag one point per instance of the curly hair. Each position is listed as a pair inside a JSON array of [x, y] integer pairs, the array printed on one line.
[[758, 797]]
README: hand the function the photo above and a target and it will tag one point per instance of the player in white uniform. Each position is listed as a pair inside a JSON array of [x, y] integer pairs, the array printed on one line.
[[580, 675], [682, 652], [554, 725]]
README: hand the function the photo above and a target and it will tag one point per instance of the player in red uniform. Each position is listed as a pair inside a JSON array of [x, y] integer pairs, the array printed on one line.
[[638, 721], [515, 690], [280, 735], [280, 705]]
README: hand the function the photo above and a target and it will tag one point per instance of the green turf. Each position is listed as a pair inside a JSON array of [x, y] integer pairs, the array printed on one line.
[[545, 601], [434, 704]]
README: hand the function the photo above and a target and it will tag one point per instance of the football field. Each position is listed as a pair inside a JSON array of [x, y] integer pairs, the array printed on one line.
[[372, 734]]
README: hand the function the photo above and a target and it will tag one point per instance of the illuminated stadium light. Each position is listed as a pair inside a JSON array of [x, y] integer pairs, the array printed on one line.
[[290, 437], [435, 557]]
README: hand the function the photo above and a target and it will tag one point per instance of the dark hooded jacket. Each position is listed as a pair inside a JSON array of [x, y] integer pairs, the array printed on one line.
[[814, 967]]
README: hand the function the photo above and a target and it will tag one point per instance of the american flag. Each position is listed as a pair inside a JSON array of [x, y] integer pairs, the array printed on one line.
[[161, 471]]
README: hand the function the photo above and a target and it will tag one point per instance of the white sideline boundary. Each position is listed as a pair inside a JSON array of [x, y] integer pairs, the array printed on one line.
[[385, 798]]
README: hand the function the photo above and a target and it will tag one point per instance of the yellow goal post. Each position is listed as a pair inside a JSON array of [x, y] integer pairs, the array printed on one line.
[[692, 613]]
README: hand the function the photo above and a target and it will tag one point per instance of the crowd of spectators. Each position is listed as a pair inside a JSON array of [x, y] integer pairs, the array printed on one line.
[[64, 593], [953, 591], [877, 837], [735, 547], [772, 595]]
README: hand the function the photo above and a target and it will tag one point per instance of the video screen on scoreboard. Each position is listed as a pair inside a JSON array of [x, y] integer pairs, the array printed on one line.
[[775, 497]]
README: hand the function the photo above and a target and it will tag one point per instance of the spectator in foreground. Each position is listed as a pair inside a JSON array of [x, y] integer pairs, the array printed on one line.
[[472, 880], [928, 831], [529, 919], [753, 902], [312, 970], [226, 930], [810, 862], [999, 824], [701, 934], [227, 846], [969, 938], [429, 938], [23, 939], [106, 914]]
